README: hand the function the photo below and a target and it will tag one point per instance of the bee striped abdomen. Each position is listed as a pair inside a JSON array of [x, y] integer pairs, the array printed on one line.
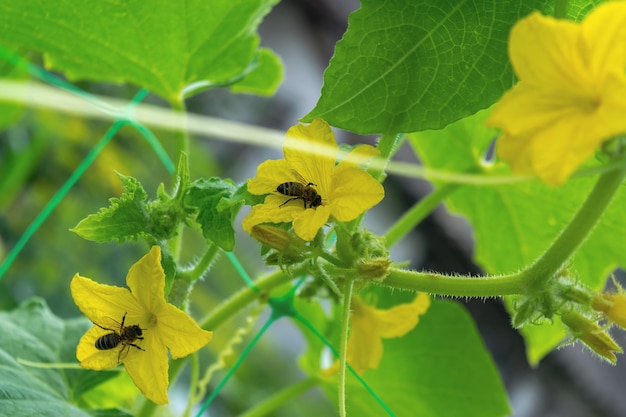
[[108, 341], [125, 336]]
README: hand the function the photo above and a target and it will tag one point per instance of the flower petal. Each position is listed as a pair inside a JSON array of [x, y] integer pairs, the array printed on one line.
[[399, 320], [359, 155], [308, 222], [179, 332], [525, 109], [558, 149], [269, 175], [516, 151], [92, 358], [365, 347], [354, 191], [544, 52], [148, 368], [311, 150], [146, 280], [604, 35], [97, 301], [270, 212]]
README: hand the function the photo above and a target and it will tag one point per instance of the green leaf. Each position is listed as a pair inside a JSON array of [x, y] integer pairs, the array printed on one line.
[[125, 219], [264, 78], [441, 368], [514, 223], [216, 208], [33, 338], [406, 66], [166, 47]]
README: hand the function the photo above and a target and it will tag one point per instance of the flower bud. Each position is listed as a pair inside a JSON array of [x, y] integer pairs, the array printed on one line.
[[591, 335], [276, 238], [374, 269]]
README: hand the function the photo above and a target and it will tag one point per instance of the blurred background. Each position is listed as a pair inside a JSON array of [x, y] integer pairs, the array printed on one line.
[[39, 152]]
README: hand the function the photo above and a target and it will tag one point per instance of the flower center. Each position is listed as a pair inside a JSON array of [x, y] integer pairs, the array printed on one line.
[[151, 320]]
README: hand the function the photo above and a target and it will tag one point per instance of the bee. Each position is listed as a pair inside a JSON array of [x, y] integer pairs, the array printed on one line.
[[300, 190], [125, 336]]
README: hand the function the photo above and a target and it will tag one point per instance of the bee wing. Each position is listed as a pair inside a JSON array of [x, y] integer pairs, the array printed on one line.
[[299, 177], [108, 323]]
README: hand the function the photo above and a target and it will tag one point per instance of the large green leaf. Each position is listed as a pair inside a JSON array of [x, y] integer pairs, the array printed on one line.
[[406, 66], [167, 47], [33, 341], [514, 223], [441, 368]]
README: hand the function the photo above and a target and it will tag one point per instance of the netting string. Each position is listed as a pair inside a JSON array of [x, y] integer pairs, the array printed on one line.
[[124, 119], [281, 307]]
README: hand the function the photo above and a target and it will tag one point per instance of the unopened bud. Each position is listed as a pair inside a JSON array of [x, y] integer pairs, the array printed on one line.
[[374, 269], [273, 237], [591, 335]]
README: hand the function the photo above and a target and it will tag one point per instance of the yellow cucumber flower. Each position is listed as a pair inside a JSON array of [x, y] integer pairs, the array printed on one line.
[[571, 94], [369, 325], [151, 326], [317, 187]]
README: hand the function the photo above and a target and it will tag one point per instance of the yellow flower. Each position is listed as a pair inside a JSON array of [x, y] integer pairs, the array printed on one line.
[[161, 325], [310, 154], [369, 325], [571, 95]]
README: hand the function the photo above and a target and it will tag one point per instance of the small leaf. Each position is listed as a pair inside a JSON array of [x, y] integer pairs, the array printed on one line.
[[265, 78], [212, 199], [33, 335], [125, 219], [408, 66]]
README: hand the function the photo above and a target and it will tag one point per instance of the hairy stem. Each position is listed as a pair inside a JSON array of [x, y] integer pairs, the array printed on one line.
[[203, 265], [460, 285]]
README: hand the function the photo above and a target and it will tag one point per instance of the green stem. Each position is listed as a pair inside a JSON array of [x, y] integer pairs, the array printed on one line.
[[182, 141], [460, 285], [193, 386], [241, 299], [332, 259], [203, 265], [417, 213], [343, 346], [387, 146], [577, 230], [282, 397]]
